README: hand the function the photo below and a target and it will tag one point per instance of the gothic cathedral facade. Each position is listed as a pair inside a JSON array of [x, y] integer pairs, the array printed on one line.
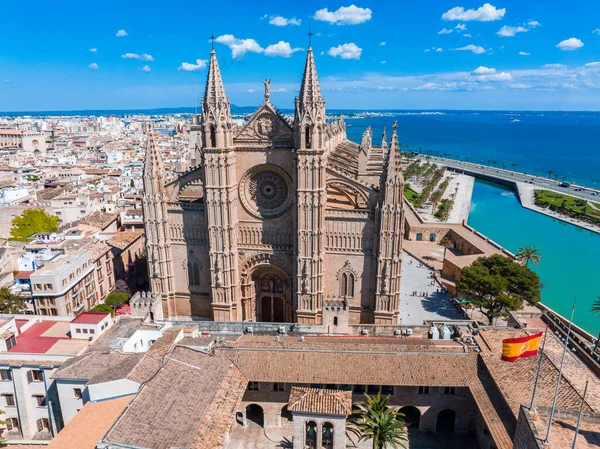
[[280, 217]]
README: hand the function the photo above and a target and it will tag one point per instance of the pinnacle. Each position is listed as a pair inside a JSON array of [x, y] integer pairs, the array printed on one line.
[[214, 93], [310, 91]]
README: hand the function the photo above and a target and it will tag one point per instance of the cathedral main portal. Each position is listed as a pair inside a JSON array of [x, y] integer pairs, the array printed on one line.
[[271, 298]]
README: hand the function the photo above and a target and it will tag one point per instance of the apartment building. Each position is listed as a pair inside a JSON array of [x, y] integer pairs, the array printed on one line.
[[65, 285]]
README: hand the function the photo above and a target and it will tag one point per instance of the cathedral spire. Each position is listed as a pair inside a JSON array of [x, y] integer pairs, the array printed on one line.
[[153, 163], [310, 91], [384, 139], [214, 93], [393, 163]]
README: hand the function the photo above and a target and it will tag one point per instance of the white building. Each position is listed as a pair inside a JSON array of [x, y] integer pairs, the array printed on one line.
[[89, 325]]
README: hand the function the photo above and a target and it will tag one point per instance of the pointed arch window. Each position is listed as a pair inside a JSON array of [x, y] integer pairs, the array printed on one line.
[[307, 142], [213, 137], [193, 273], [347, 284]]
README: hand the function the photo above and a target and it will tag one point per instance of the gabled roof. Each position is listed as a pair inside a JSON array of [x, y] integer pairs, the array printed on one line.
[[320, 401], [266, 124]]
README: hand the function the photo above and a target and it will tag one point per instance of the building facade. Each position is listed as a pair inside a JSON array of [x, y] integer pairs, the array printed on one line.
[[279, 216]]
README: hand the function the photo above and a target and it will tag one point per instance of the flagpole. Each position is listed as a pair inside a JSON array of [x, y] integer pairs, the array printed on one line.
[[560, 375], [539, 368], [580, 413]]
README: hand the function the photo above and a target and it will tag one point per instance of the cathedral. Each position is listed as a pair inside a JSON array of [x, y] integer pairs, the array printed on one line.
[[280, 219]]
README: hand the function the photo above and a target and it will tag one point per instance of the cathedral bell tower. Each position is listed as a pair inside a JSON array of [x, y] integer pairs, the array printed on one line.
[[391, 224], [309, 133], [154, 202], [221, 197]]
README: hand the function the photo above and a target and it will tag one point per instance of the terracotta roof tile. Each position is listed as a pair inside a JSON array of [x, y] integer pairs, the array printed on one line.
[[320, 400]]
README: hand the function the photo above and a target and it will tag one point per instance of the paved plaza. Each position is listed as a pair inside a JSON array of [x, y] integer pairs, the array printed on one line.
[[415, 309]]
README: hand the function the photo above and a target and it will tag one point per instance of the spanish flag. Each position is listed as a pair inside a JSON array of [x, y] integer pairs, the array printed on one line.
[[515, 348]]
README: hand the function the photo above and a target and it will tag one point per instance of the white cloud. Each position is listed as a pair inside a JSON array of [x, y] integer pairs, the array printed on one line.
[[444, 31], [142, 57], [439, 50], [381, 44], [553, 66], [476, 49], [94, 66], [346, 15], [533, 23], [239, 47], [94, 50], [427, 50], [281, 89], [282, 49], [569, 44], [592, 64], [508, 31], [461, 27], [6, 81], [280, 21], [467, 35], [146, 69], [346, 51], [481, 70], [524, 53], [485, 13], [191, 67], [251, 91], [596, 31], [122, 33], [384, 62]]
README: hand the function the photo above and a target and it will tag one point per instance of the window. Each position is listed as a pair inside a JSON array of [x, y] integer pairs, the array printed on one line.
[[77, 393], [42, 424], [47, 286], [10, 399], [92, 331], [193, 273], [77, 330], [307, 137], [38, 286], [278, 386], [423, 390], [373, 389], [85, 331], [450, 390], [35, 375], [359, 389], [347, 284], [41, 400], [5, 374], [252, 386], [387, 390], [12, 424]]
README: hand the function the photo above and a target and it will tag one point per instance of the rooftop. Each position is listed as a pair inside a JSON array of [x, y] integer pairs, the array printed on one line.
[[48, 337], [319, 400], [89, 317], [89, 425]]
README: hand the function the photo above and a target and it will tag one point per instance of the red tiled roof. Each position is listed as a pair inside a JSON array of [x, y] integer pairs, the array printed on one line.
[[124, 309], [24, 274], [32, 342], [90, 317]]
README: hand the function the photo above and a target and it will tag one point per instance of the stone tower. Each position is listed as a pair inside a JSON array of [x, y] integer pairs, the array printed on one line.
[[154, 201], [221, 195], [391, 223], [309, 129]]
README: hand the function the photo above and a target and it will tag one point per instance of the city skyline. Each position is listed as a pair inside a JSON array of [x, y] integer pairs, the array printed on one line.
[[435, 55]]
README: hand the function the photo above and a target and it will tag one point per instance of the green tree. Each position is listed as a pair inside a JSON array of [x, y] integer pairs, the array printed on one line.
[[374, 420], [529, 253], [596, 309], [497, 285], [104, 308], [10, 303], [32, 221], [116, 299]]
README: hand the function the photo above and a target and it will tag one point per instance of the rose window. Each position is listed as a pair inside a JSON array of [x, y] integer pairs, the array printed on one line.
[[268, 190]]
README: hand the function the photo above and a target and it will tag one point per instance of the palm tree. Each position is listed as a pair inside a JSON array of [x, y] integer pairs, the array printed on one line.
[[374, 420], [529, 253], [550, 173], [514, 165], [446, 243]]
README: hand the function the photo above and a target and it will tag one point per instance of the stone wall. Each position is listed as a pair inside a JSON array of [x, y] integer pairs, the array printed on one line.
[[526, 435]]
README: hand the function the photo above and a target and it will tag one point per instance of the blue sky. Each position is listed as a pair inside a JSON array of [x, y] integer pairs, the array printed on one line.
[[430, 54]]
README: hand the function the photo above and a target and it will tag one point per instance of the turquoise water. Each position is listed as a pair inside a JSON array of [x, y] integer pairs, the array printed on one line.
[[570, 255]]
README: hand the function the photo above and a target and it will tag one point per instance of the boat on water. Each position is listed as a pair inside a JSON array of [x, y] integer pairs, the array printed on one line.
[[514, 120]]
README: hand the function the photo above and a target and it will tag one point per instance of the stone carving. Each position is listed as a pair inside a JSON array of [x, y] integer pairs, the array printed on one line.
[[267, 83], [265, 191]]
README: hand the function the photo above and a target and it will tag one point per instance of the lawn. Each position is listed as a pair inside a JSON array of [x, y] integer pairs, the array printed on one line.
[[569, 205], [412, 196]]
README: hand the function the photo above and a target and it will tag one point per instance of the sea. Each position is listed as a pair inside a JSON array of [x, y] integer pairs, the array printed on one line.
[[563, 145], [566, 143]]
